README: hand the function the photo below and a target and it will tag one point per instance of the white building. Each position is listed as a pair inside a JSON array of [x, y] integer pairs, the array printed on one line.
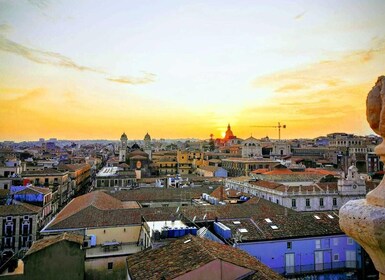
[[280, 149], [307, 197], [251, 147]]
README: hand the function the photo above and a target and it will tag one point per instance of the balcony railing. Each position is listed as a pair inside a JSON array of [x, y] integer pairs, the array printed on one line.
[[317, 268]]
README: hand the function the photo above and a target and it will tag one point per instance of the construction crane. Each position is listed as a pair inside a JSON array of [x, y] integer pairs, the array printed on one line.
[[279, 126]]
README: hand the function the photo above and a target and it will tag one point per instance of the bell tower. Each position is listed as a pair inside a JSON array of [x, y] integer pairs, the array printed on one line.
[[123, 148], [353, 184], [147, 145]]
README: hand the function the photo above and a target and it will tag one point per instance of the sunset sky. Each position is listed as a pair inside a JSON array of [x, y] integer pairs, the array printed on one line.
[[177, 69]]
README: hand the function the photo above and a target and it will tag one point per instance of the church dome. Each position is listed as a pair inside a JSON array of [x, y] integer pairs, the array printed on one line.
[[123, 137], [138, 153], [147, 137], [229, 133]]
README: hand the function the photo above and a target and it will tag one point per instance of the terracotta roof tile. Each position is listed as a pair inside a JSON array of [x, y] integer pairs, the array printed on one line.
[[160, 194], [46, 242], [19, 209], [33, 190], [97, 200], [187, 254]]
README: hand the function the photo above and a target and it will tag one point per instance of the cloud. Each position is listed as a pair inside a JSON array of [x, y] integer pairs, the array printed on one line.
[[57, 59], [147, 78], [41, 4], [299, 16], [5, 28], [290, 87], [340, 70], [41, 56]]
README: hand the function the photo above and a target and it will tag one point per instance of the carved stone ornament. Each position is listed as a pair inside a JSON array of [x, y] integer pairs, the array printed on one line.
[[364, 219], [375, 114]]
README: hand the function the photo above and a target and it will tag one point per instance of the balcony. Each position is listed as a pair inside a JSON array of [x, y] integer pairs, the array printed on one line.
[[341, 266]]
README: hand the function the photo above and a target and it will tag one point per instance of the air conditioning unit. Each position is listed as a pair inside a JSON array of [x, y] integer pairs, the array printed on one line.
[[87, 244]]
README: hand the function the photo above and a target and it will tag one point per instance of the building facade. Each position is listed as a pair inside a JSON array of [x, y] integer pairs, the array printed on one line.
[[307, 197], [251, 147]]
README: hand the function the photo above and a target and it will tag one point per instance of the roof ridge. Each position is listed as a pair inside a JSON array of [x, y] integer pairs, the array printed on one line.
[[54, 221]]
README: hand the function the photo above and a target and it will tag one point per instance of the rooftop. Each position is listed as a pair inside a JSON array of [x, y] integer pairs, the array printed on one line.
[[250, 160], [48, 171], [189, 253], [108, 171], [18, 209], [46, 242], [160, 194]]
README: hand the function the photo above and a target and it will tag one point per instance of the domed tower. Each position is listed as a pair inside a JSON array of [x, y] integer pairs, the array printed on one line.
[[123, 148], [147, 145], [229, 134]]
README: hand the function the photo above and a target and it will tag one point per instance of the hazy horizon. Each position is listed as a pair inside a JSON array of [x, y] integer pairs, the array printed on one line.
[[182, 69]]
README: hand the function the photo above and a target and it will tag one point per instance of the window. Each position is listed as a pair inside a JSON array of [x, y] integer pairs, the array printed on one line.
[[9, 229], [110, 265], [307, 202], [334, 201], [321, 202], [350, 241], [293, 203], [288, 244], [335, 241], [327, 243], [318, 244], [336, 257]]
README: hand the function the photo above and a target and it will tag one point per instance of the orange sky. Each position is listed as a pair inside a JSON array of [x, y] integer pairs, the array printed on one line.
[[76, 70]]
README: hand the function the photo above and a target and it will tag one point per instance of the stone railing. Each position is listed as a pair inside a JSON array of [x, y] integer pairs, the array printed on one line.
[[364, 219]]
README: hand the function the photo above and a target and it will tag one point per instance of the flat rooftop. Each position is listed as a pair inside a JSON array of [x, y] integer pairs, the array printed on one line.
[[123, 250], [108, 171]]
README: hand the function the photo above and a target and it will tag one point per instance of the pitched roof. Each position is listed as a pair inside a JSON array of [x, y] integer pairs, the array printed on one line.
[[297, 224], [33, 190], [222, 193], [73, 167], [160, 194], [18, 209], [292, 177], [48, 171], [46, 242], [187, 254], [97, 200], [290, 224]]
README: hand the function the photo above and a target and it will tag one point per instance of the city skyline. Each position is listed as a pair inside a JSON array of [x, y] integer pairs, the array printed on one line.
[[80, 70]]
